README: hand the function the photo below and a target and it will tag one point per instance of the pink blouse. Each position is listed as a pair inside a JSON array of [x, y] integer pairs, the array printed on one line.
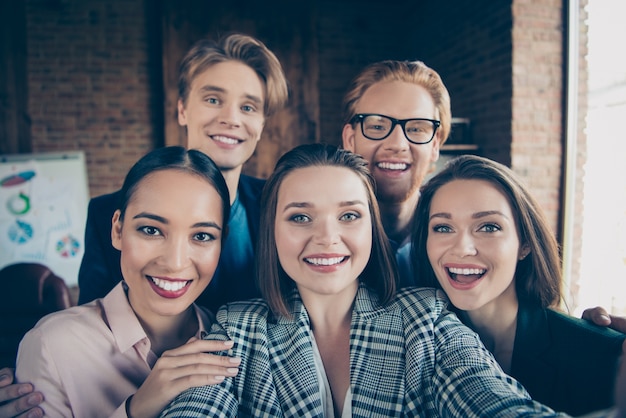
[[87, 360]]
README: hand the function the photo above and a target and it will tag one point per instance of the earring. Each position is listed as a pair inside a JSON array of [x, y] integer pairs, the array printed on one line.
[[524, 252]]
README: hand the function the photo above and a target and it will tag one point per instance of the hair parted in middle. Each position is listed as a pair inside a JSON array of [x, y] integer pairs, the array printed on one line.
[[180, 159], [538, 275], [380, 273]]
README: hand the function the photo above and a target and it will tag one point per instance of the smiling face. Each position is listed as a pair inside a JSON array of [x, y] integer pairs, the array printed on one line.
[[323, 230], [398, 166], [473, 244], [169, 251], [224, 113]]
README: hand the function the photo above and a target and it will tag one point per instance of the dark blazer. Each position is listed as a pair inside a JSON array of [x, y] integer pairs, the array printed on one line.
[[100, 267], [565, 362]]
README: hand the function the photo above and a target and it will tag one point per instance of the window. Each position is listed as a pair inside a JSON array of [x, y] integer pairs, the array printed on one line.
[[603, 261]]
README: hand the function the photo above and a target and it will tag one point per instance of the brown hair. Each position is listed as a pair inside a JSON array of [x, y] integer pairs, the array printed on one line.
[[414, 72], [380, 273], [236, 47], [538, 275]]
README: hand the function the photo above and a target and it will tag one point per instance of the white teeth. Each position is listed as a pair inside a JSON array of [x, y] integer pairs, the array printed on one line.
[[466, 272], [169, 285], [392, 166], [225, 139], [325, 261]]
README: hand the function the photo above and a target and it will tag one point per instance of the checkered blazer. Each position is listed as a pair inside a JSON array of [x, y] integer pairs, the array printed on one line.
[[409, 358]]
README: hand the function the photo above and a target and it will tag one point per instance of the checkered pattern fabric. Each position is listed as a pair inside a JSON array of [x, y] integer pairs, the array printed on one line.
[[410, 358]]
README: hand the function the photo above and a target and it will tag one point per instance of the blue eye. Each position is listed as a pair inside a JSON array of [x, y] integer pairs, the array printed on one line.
[[442, 229], [248, 108], [299, 218], [350, 216], [490, 228]]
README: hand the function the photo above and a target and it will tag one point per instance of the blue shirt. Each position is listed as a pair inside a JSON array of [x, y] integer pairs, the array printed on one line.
[[234, 278]]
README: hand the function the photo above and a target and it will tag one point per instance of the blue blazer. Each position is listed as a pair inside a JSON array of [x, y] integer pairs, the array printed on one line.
[[565, 362], [100, 267], [409, 358]]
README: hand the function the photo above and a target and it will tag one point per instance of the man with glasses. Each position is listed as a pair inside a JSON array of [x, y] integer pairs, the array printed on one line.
[[397, 115]]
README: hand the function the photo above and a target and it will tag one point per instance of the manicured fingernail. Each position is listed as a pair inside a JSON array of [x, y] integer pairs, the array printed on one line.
[[606, 317], [219, 378], [232, 370], [228, 343], [234, 360]]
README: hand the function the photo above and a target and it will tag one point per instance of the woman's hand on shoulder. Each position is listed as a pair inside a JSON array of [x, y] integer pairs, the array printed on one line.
[[179, 369]]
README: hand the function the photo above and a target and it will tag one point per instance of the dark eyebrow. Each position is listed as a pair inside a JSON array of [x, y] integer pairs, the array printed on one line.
[[165, 221], [151, 216], [209, 88], [297, 205], [352, 203], [440, 215], [308, 205], [207, 225], [476, 215], [488, 213]]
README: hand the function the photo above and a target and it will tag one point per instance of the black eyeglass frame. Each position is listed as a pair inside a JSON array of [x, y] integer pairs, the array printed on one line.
[[359, 117]]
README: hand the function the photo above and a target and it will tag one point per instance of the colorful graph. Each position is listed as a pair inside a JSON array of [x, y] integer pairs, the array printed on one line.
[[20, 232], [15, 179], [68, 247], [18, 204]]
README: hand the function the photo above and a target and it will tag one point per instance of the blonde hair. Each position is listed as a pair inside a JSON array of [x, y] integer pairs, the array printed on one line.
[[236, 47]]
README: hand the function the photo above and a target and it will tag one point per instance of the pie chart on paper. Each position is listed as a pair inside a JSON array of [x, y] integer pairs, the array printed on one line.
[[20, 232], [15, 179]]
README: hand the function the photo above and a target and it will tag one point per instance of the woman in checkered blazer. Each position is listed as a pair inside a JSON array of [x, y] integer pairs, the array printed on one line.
[[333, 337]]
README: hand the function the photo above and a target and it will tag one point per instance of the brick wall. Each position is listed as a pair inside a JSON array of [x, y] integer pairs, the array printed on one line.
[[352, 34], [95, 84], [540, 139], [469, 44], [503, 63], [537, 148], [89, 83]]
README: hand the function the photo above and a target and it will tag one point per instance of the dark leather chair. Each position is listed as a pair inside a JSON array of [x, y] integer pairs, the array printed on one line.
[[28, 291]]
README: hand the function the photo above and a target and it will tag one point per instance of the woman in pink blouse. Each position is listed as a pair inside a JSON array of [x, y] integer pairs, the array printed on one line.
[[131, 352]]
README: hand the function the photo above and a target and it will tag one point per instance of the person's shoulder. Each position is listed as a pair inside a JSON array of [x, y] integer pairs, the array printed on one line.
[[243, 311], [249, 185], [105, 202], [421, 300], [57, 328], [580, 329]]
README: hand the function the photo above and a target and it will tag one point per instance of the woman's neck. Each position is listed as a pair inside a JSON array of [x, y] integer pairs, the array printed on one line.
[[167, 332], [331, 317], [328, 311], [496, 324]]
